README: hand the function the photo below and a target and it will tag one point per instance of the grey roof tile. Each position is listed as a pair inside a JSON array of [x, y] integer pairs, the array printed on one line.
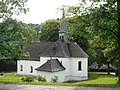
[[55, 49], [52, 65]]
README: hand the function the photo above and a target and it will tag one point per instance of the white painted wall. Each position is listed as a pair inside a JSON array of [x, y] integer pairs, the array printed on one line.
[[65, 62], [49, 75], [26, 67], [80, 74], [71, 65]]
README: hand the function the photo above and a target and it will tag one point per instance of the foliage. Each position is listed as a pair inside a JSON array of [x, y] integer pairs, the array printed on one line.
[[10, 7], [41, 79], [54, 79], [77, 32], [16, 36], [35, 27], [94, 28], [49, 30], [113, 5], [27, 79]]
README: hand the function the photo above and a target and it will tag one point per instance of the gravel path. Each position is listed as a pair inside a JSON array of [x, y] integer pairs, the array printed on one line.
[[42, 87]]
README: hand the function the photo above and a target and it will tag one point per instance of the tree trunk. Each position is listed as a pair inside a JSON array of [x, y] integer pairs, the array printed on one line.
[[108, 63], [118, 12]]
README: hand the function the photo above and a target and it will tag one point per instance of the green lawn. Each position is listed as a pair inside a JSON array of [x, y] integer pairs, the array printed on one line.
[[95, 79]]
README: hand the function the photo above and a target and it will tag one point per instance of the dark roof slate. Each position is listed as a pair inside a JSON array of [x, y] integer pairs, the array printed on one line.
[[38, 48], [52, 65], [55, 49], [76, 50], [59, 49]]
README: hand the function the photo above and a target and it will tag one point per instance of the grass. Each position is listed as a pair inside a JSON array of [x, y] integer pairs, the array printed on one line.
[[99, 79], [95, 79]]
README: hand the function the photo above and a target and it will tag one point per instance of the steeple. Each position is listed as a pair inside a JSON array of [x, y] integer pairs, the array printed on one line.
[[63, 28]]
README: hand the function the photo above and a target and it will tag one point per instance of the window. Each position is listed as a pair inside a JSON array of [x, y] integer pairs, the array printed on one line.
[[31, 69], [62, 37], [21, 68], [79, 65]]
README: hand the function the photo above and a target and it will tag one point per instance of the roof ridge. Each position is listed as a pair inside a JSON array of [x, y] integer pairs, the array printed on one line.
[[68, 45], [51, 65]]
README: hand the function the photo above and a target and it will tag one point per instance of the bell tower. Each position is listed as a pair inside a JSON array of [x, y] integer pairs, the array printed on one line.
[[63, 31], [63, 28]]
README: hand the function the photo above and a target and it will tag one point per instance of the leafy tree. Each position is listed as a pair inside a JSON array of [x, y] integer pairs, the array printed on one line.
[[77, 32], [16, 36], [7, 9], [110, 9], [49, 30], [96, 30], [110, 4], [105, 29], [36, 27], [11, 7]]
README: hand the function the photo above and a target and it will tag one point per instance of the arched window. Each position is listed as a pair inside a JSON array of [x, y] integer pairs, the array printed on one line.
[[79, 65], [31, 69], [62, 37], [21, 67]]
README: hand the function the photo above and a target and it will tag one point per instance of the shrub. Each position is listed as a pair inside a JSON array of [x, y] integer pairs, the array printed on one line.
[[41, 79], [27, 79], [54, 79]]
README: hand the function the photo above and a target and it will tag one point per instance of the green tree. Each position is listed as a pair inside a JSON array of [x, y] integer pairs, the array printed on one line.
[[10, 7], [16, 37], [49, 30], [77, 32], [36, 27], [110, 4], [99, 22]]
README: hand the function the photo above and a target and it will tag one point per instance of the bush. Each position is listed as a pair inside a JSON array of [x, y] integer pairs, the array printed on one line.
[[54, 79], [27, 79], [41, 79]]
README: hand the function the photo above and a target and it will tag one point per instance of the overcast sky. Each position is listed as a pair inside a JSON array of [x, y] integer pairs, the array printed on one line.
[[42, 10]]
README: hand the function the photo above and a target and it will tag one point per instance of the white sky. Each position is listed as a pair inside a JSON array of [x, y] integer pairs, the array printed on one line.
[[42, 10]]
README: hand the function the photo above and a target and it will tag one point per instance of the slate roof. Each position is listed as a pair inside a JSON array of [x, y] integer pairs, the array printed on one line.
[[38, 48], [55, 49], [52, 65]]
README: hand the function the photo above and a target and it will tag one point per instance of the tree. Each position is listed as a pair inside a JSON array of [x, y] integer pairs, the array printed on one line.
[[11, 46], [77, 32], [101, 22], [49, 30], [36, 27], [16, 36], [10, 7], [110, 4], [118, 36], [7, 9]]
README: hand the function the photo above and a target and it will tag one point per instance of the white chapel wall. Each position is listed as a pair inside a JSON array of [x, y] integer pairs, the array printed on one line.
[[26, 67], [83, 73]]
